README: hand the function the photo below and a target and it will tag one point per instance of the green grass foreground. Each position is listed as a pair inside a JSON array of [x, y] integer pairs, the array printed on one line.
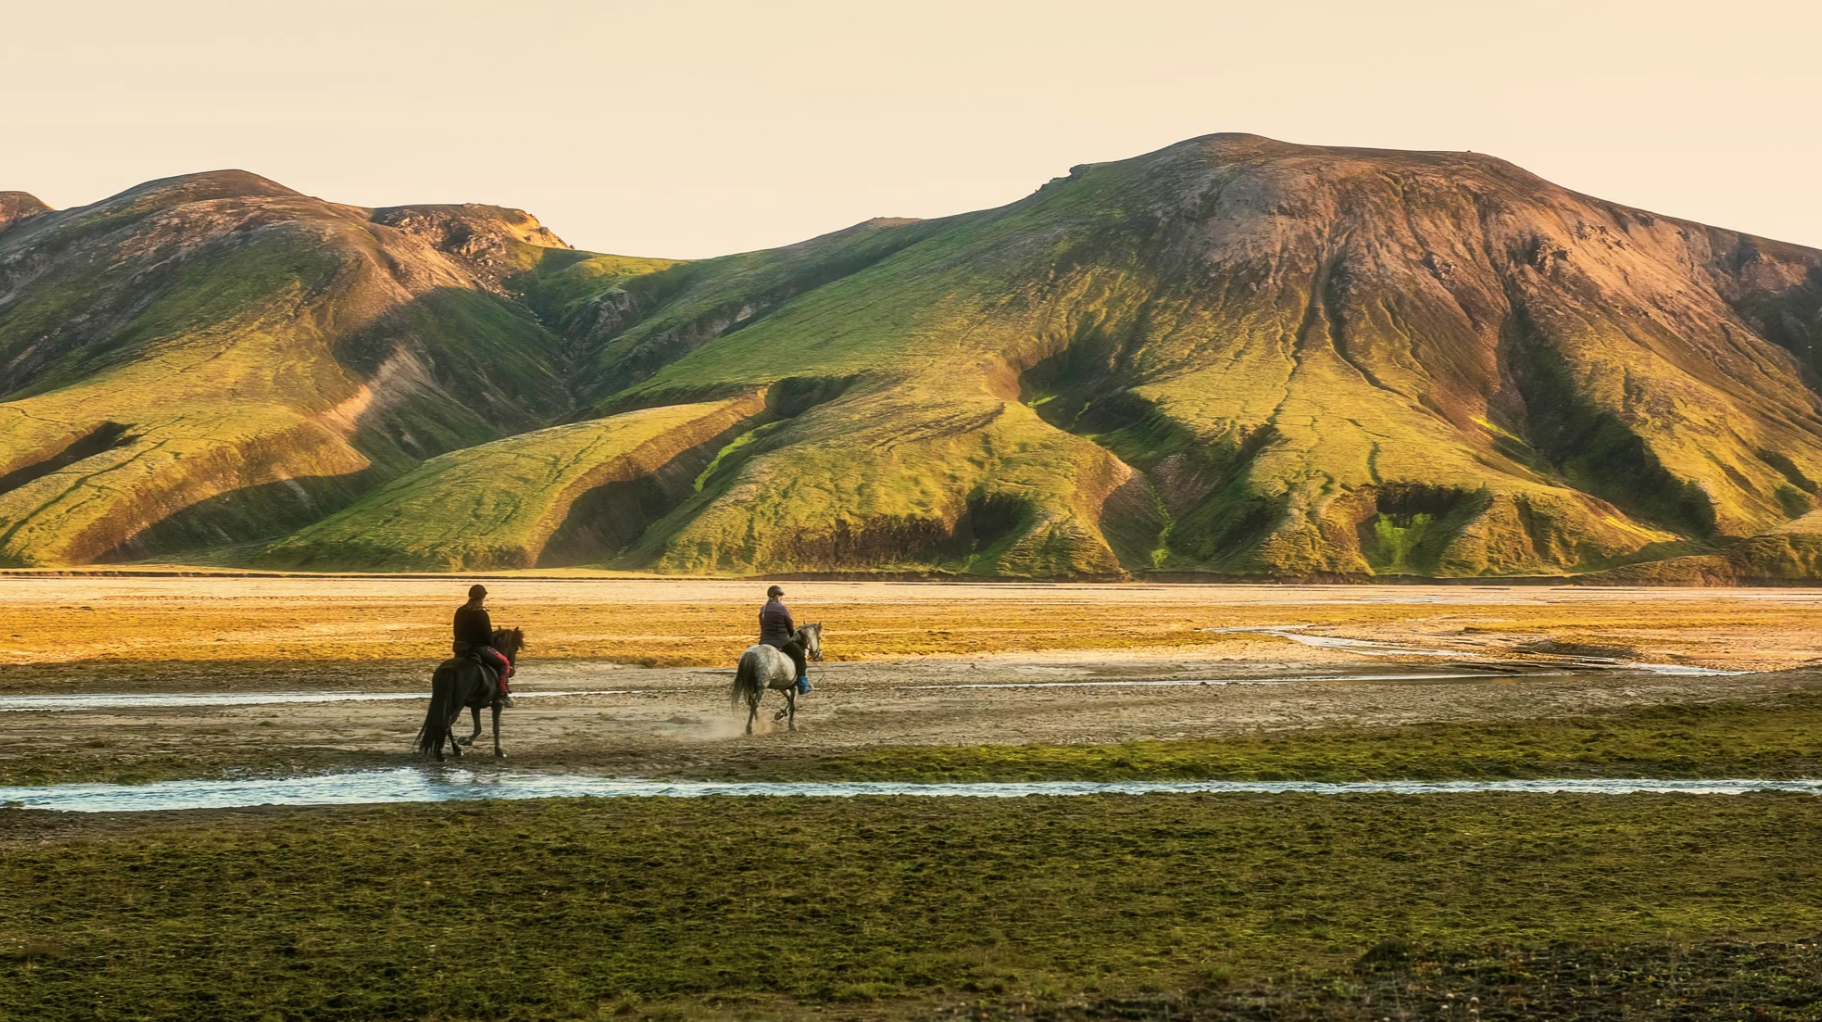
[[757, 907], [1777, 738]]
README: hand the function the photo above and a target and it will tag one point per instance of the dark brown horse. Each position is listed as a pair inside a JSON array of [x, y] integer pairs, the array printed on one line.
[[462, 682]]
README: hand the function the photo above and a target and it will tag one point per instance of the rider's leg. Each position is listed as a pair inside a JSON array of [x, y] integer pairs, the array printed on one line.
[[502, 668], [800, 660]]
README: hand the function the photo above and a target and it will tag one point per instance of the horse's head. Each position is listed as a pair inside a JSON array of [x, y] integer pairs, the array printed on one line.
[[810, 636], [509, 641]]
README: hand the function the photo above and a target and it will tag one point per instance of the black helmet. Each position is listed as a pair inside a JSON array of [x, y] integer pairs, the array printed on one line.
[[477, 591], [774, 591]]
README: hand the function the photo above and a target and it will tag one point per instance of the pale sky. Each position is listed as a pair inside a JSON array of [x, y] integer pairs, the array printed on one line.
[[698, 128]]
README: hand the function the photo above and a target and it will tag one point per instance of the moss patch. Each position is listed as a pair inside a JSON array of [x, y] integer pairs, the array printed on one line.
[[1781, 738]]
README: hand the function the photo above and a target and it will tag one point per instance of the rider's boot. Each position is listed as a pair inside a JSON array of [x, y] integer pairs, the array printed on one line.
[[803, 684]]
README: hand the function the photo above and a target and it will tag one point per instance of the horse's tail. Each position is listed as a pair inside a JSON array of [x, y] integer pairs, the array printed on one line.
[[746, 680], [445, 703]]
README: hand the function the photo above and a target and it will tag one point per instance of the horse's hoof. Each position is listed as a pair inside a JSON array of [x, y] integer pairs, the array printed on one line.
[[464, 741], [497, 754]]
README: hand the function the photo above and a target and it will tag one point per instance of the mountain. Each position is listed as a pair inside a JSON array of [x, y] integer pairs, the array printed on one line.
[[1231, 357], [216, 359]]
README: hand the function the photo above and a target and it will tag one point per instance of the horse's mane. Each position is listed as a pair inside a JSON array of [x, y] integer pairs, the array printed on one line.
[[516, 634]]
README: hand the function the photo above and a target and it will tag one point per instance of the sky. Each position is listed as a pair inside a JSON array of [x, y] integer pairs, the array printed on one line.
[[691, 128]]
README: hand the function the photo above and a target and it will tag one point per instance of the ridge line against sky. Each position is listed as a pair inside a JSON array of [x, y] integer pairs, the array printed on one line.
[[691, 129]]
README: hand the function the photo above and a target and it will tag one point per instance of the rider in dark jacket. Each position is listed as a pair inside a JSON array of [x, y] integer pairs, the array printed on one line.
[[474, 637], [777, 629]]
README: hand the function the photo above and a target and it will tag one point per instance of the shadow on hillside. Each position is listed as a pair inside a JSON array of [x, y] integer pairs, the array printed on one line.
[[104, 437], [247, 515], [625, 522]]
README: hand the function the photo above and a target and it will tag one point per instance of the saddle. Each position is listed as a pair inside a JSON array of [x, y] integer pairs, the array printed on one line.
[[473, 656]]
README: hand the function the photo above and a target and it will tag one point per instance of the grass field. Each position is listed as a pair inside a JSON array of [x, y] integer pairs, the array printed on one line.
[[753, 907], [1780, 738]]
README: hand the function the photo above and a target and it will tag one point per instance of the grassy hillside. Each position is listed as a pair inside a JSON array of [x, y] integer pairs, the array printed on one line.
[[1230, 357], [1239, 356], [213, 359], [551, 496]]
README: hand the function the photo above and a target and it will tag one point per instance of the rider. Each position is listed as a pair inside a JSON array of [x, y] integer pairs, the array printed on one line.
[[474, 637], [777, 629]]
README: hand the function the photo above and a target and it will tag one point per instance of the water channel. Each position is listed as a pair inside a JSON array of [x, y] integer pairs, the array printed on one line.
[[456, 784]]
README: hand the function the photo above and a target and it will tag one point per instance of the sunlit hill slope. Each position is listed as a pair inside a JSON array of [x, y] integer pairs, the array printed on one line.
[[1231, 357]]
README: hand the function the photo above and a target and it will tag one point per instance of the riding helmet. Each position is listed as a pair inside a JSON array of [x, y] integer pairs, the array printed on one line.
[[477, 591], [774, 591]]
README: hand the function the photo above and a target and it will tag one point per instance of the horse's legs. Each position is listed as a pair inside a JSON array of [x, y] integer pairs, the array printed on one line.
[[791, 705], [498, 753], [752, 712], [475, 712]]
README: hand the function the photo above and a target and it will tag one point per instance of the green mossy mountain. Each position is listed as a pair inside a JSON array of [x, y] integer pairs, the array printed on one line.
[[1231, 357], [216, 359]]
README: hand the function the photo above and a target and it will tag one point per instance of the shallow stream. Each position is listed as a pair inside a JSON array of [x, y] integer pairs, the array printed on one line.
[[118, 700], [1192, 682], [454, 784], [1369, 647]]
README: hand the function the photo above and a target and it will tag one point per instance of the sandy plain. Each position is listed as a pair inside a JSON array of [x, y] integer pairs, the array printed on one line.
[[907, 664]]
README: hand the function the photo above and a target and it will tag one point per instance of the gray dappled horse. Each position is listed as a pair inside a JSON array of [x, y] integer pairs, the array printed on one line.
[[465, 682], [762, 667]]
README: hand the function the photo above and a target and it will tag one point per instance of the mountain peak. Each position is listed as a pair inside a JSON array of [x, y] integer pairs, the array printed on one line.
[[489, 240], [16, 206], [204, 186], [466, 228]]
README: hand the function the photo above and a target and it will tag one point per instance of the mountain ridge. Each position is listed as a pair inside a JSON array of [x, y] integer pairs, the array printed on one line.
[[1232, 357]]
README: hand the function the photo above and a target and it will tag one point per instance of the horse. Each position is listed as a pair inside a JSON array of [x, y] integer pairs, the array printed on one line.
[[762, 667], [459, 682]]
